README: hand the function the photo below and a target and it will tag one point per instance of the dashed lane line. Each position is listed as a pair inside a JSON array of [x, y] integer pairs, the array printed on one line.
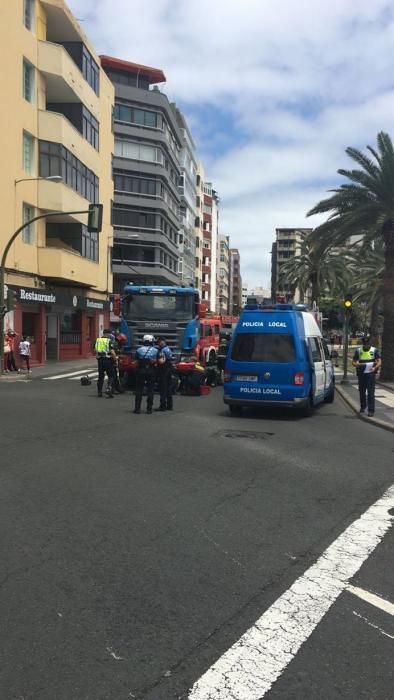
[[251, 666], [372, 598]]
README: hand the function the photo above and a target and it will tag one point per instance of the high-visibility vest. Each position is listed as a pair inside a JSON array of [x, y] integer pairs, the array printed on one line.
[[102, 347], [367, 355]]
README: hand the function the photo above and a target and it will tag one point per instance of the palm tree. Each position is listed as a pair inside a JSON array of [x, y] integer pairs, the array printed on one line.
[[367, 283], [365, 206], [317, 268]]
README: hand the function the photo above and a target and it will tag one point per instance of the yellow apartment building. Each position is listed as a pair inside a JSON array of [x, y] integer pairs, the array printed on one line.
[[56, 151]]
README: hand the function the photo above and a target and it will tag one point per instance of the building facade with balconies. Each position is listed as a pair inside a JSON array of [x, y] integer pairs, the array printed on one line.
[[189, 204], [210, 242], [55, 122], [223, 274], [286, 246], [235, 282], [146, 172], [199, 227]]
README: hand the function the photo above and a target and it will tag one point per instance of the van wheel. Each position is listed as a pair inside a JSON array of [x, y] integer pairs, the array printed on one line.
[[235, 410], [331, 395]]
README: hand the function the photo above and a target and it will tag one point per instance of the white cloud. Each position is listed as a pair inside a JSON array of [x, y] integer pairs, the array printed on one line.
[[298, 81]]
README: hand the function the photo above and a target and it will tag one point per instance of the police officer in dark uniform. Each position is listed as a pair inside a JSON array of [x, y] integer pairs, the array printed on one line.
[[367, 361], [146, 356], [164, 374], [106, 357]]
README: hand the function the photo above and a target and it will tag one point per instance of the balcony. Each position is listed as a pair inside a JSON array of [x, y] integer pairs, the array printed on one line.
[[65, 265], [64, 80], [53, 126], [54, 196], [145, 270]]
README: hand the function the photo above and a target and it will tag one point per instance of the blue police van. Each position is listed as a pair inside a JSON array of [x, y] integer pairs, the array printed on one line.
[[277, 357]]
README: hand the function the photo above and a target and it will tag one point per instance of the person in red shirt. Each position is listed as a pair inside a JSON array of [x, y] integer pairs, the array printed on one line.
[[10, 340]]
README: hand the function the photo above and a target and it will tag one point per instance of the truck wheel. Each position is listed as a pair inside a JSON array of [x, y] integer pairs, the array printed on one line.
[[235, 410]]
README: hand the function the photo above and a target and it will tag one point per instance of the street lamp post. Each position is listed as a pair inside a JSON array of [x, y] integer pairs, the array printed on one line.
[[347, 305], [50, 178], [94, 209]]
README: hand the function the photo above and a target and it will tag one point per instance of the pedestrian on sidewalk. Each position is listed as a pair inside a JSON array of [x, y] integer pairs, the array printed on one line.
[[24, 352], [106, 358], [10, 339], [367, 362]]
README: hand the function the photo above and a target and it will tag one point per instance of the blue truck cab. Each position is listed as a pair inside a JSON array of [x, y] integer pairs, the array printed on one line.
[[277, 357]]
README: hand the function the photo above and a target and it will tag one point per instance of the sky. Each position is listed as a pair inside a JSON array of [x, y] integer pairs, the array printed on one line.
[[273, 91]]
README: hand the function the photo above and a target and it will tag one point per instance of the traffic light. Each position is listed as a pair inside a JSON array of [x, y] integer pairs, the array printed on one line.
[[348, 301], [95, 218], [12, 299]]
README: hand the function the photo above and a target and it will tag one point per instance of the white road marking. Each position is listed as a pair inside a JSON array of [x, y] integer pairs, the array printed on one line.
[[372, 598], [250, 667], [91, 375], [68, 374], [371, 624]]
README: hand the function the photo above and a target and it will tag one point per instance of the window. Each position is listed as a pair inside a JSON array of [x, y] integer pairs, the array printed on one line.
[[28, 153], [90, 70], [90, 128], [28, 81], [207, 331], [90, 248], [123, 216], [131, 115], [137, 151], [315, 350], [263, 347], [55, 159], [134, 183], [28, 14], [125, 78], [28, 232], [326, 350]]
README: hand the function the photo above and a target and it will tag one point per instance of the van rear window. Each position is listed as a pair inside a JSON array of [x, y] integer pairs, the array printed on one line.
[[263, 347]]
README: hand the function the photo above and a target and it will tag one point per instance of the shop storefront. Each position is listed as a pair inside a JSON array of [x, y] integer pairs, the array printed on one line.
[[59, 324]]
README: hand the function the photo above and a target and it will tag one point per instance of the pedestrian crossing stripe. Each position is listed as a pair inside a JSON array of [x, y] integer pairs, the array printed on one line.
[[72, 375]]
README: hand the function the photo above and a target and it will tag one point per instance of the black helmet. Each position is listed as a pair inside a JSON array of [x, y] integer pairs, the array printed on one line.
[[366, 340]]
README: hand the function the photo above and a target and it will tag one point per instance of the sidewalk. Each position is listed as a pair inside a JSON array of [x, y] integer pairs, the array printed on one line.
[[384, 400], [50, 369]]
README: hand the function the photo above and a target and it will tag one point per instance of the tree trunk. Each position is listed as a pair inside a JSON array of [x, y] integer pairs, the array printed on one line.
[[374, 322], [387, 373], [315, 288]]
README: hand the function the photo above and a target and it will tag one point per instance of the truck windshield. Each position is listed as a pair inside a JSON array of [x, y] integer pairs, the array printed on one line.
[[154, 307], [263, 347]]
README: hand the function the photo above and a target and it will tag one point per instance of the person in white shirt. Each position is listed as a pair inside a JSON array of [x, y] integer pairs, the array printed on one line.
[[24, 352]]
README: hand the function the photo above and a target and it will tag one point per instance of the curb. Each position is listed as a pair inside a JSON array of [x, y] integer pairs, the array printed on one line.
[[354, 406], [385, 386]]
